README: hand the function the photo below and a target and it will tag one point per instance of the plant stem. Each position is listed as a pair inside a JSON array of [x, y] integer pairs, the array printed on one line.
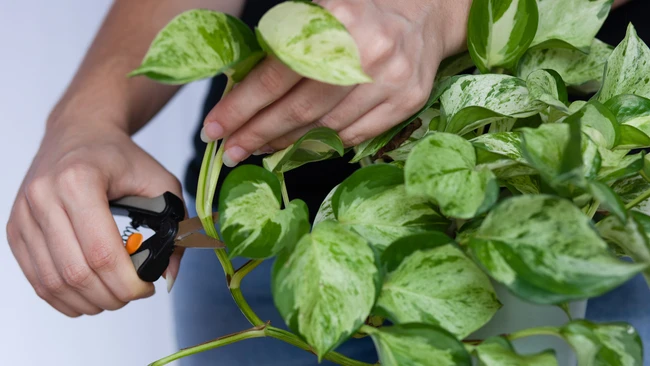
[[256, 332], [245, 308], [240, 273], [552, 331], [364, 162], [642, 197], [285, 194], [292, 339], [593, 208]]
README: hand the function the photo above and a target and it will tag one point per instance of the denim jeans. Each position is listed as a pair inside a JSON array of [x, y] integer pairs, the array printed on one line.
[[204, 310]]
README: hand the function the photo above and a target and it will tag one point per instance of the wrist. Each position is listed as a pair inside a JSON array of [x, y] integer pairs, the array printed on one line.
[[68, 113], [452, 25]]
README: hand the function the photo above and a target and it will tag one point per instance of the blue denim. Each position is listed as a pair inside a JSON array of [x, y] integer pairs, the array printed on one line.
[[204, 310]]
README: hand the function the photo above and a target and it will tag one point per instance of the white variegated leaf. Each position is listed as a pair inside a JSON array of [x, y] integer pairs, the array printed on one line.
[[498, 351], [316, 145], [251, 221], [600, 124], [548, 89], [418, 345], [325, 211], [472, 101], [632, 187], [572, 23], [435, 283], [524, 184], [452, 179], [633, 113], [617, 164], [506, 144], [629, 236], [627, 69], [312, 42], [373, 203], [611, 344], [200, 44], [500, 31], [577, 69], [544, 249], [325, 287]]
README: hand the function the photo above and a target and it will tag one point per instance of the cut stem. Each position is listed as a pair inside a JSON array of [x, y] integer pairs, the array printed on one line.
[[642, 197]]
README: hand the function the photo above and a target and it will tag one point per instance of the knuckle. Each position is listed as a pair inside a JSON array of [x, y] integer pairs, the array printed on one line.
[[328, 121], [301, 111], [416, 98], [42, 292], [76, 174], [36, 188], [344, 11], [383, 46], [127, 294], [52, 283], [399, 69], [228, 112], [12, 232], [351, 139], [101, 258], [270, 78], [77, 276]]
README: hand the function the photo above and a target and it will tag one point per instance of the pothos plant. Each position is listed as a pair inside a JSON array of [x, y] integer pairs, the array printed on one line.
[[498, 180]]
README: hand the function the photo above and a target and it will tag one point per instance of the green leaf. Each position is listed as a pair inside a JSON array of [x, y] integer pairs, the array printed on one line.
[[472, 101], [200, 44], [418, 345], [431, 281], [619, 166], [312, 42], [524, 184], [577, 69], [500, 31], [251, 221], [326, 286], [599, 123], [547, 87], [633, 112], [316, 145], [611, 344], [454, 65], [572, 24], [503, 144], [627, 69], [373, 203], [608, 198], [545, 250], [630, 236], [498, 351], [632, 187], [325, 211], [451, 179]]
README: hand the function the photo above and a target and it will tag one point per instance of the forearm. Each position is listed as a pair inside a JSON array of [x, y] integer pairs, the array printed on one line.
[[101, 92]]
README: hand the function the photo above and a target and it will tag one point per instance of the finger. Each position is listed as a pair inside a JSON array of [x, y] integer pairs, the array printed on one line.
[[48, 275], [100, 244], [355, 105], [172, 269], [266, 83], [374, 123], [19, 251], [306, 103]]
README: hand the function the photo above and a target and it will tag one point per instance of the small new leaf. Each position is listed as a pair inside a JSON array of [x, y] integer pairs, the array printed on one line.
[[251, 221], [312, 42], [316, 145], [200, 44], [612, 344], [326, 286]]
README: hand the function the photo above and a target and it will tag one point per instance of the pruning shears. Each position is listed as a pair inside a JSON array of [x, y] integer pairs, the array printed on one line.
[[164, 215]]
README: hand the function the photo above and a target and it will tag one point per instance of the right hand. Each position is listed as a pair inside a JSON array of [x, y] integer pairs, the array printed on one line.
[[61, 230]]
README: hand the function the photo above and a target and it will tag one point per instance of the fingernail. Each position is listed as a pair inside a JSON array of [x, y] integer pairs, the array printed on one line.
[[233, 156], [266, 149], [213, 130], [170, 282], [205, 137]]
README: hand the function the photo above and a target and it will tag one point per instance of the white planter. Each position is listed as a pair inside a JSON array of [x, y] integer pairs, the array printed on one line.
[[517, 314]]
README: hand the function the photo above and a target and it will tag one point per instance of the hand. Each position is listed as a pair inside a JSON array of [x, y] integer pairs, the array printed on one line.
[[61, 230], [401, 44]]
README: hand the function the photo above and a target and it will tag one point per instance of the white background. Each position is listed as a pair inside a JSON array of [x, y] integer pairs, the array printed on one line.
[[41, 44]]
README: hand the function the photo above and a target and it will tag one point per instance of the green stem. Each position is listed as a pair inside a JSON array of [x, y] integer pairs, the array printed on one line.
[[642, 197], [244, 307], [364, 162], [593, 208], [552, 331], [292, 339], [240, 273], [256, 332], [285, 194]]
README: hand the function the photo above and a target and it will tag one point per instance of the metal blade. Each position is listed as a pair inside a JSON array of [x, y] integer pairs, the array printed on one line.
[[191, 226], [198, 240]]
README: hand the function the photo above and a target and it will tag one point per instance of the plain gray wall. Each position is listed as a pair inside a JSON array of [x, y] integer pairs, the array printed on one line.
[[43, 42]]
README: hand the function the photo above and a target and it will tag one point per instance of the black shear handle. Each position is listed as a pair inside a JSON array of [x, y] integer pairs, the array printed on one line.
[[160, 214]]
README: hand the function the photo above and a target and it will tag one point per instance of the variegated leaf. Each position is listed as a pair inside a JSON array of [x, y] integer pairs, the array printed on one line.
[[312, 42], [428, 120], [505, 144], [608, 199], [632, 187], [373, 203], [547, 87], [630, 236], [570, 23], [325, 211], [451, 178], [251, 221], [544, 249], [316, 145], [618, 165], [454, 65], [500, 31], [431, 281], [611, 344], [577, 69], [200, 44], [418, 345], [524, 184], [326, 285], [627, 69], [599, 123], [498, 351], [472, 101], [633, 113]]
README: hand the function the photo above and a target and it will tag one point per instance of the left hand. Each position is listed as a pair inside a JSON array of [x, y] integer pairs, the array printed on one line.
[[401, 44]]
